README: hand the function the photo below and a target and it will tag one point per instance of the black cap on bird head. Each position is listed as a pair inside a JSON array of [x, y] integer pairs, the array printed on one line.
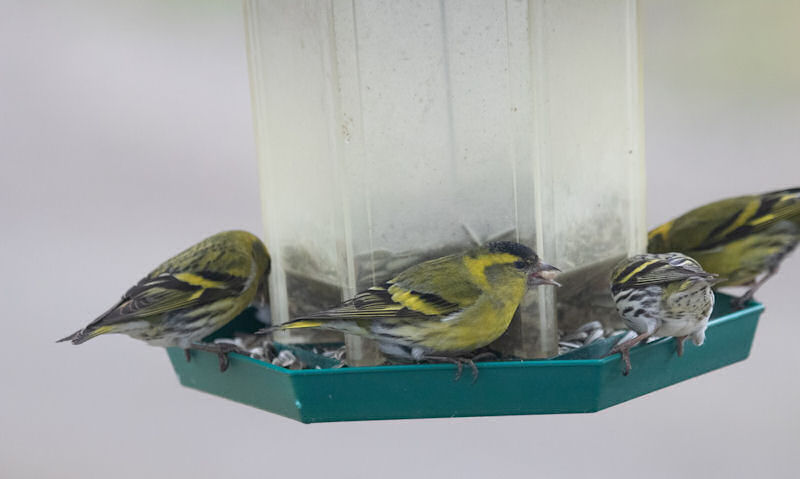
[[538, 271], [510, 247]]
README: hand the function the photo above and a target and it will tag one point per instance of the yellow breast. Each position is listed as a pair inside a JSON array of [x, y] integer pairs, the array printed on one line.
[[472, 328]]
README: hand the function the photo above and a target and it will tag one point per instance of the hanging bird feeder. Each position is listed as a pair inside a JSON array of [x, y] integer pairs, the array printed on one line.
[[390, 133], [580, 381]]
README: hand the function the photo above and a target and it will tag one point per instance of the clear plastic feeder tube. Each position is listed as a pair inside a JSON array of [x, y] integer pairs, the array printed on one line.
[[393, 132]]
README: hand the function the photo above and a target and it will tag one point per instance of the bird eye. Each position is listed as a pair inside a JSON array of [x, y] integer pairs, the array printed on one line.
[[520, 264]]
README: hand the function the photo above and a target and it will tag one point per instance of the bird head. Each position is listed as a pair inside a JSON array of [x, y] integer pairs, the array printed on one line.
[[658, 239], [501, 261]]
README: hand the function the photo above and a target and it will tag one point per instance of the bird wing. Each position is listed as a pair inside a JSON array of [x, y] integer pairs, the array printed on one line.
[[429, 290], [165, 292], [728, 220], [667, 270], [663, 270], [440, 286], [759, 214], [384, 302]]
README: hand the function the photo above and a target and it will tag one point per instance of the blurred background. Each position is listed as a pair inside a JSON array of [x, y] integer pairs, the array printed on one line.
[[126, 135]]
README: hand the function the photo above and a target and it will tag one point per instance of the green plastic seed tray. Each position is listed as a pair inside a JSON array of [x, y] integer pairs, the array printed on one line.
[[579, 381]]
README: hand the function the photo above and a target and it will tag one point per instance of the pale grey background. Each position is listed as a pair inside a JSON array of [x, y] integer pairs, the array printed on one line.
[[125, 135]]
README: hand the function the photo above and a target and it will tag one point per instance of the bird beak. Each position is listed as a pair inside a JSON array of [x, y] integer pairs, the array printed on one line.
[[544, 274]]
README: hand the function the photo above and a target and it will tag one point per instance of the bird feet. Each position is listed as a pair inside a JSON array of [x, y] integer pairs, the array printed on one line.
[[679, 346], [625, 349], [220, 349], [741, 301], [459, 362]]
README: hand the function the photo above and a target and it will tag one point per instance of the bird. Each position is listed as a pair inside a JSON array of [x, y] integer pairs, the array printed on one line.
[[440, 309], [190, 295], [737, 238], [662, 295]]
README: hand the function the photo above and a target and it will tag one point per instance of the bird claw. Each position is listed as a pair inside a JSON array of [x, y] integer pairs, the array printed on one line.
[[740, 302], [471, 364], [459, 363], [220, 349], [626, 356], [459, 370], [679, 347], [624, 348], [224, 362]]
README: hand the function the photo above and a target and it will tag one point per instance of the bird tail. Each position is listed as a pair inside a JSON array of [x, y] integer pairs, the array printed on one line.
[[714, 278], [783, 205], [85, 334], [295, 324], [794, 192]]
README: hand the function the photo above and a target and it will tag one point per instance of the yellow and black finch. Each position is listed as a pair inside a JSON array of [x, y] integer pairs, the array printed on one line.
[[662, 295], [442, 308], [190, 295], [738, 238]]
